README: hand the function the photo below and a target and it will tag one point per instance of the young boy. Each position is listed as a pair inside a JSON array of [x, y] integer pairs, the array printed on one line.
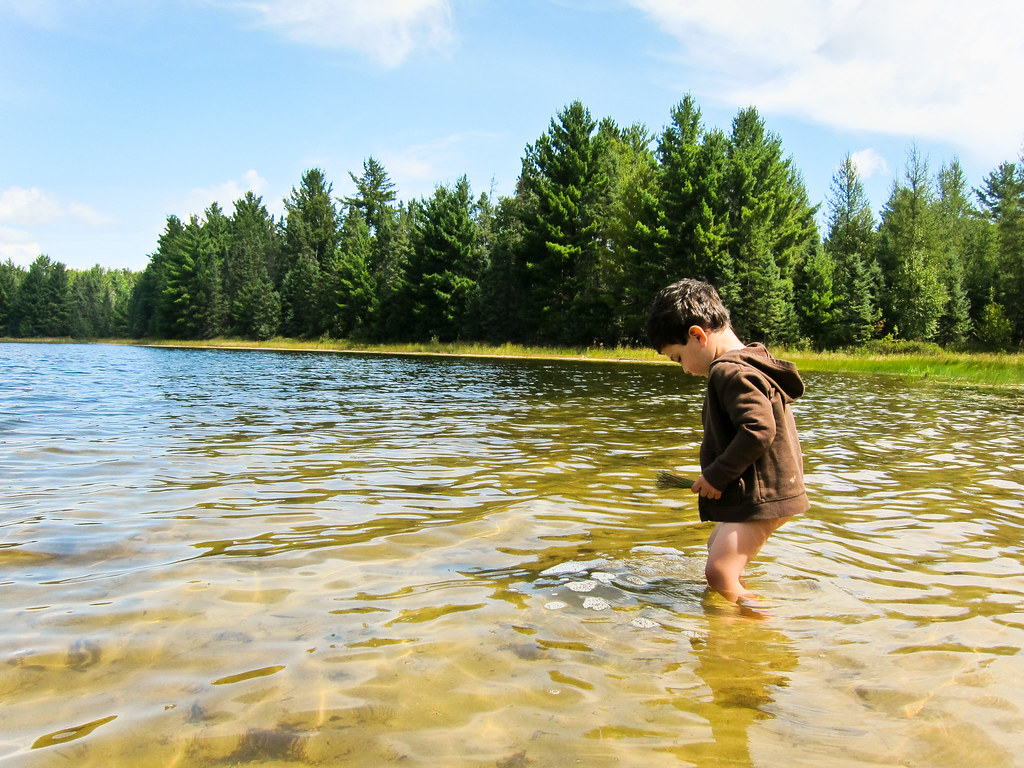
[[751, 479]]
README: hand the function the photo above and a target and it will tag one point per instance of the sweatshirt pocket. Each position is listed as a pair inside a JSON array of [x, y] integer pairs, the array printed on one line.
[[735, 493]]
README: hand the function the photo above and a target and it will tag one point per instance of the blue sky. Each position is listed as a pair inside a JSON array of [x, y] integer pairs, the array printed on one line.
[[116, 113]]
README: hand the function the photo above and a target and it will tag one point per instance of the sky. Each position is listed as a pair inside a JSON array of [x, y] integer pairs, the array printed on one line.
[[115, 114]]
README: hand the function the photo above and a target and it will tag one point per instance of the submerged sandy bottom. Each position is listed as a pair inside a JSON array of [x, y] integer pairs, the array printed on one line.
[[230, 558]]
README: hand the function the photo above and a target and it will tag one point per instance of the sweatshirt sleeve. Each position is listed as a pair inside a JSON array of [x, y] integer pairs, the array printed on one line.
[[744, 396]]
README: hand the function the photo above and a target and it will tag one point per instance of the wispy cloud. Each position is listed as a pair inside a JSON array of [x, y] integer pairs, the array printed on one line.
[[933, 69], [197, 200], [387, 32], [35, 216], [35, 207], [90, 217], [19, 246], [869, 163], [418, 169], [29, 207]]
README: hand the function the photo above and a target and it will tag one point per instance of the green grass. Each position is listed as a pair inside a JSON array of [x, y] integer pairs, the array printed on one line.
[[924, 362], [463, 349], [1001, 370]]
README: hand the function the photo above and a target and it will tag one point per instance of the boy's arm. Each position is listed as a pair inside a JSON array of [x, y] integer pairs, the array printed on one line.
[[745, 396]]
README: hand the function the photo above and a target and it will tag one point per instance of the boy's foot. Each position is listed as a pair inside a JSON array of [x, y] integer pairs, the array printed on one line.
[[750, 607]]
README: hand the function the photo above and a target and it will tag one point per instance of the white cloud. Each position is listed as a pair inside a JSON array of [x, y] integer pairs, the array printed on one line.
[[418, 169], [84, 214], [29, 207], [869, 163], [199, 199], [18, 246], [385, 30], [37, 208], [935, 69]]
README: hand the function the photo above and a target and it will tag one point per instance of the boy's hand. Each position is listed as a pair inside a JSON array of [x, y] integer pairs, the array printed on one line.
[[705, 489]]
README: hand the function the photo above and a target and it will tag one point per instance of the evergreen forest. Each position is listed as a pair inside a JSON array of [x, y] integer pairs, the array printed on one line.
[[602, 217]]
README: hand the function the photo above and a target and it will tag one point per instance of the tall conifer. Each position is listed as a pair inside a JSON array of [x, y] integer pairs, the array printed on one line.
[[914, 296], [850, 243], [564, 173], [1002, 200]]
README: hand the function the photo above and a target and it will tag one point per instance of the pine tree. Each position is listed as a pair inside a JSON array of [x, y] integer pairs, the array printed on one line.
[[685, 195], [99, 302], [301, 297], [712, 233], [87, 304], [766, 310], [770, 221], [1002, 200], [190, 296], [914, 296], [445, 267], [981, 269], [391, 250], [850, 244], [994, 330], [120, 287], [564, 173], [954, 220], [58, 302], [11, 276], [350, 302], [375, 196], [256, 308], [254, 304], [311, 235], [486, 224], [41, 305], [816, 304], [389, 225], [694, 167], [143, 304], [154, 312], [207, 287], [30, 315], [503, 282], [633, 267], [312, 225]]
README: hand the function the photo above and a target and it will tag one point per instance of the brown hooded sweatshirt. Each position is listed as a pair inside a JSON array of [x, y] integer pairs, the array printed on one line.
[[750, 450]]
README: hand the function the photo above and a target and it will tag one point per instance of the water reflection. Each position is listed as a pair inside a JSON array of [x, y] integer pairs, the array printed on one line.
[[219, 558], [743, 664]]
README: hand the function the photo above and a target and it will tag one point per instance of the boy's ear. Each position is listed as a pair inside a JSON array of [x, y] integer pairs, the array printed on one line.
[[698, 334]]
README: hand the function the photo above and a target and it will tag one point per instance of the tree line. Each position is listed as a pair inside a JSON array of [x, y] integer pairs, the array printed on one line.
[[602, 217]]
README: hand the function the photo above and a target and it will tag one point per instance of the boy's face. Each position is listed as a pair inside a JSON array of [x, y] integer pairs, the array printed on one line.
[[695, 356]]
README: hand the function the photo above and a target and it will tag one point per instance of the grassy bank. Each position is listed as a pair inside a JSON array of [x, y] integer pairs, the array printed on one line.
[[458, 349], [1001, 370], [972, 368]]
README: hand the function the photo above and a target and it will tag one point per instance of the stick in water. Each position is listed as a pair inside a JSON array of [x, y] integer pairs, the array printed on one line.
[[668, 479]]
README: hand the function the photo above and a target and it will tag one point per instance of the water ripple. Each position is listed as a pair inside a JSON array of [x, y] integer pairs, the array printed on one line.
[[318, 558]]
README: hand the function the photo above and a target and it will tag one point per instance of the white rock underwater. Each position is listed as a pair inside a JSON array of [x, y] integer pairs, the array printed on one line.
[[660, 581]]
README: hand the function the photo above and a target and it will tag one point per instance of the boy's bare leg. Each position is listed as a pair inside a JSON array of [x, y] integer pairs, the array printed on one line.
[[730, 547]]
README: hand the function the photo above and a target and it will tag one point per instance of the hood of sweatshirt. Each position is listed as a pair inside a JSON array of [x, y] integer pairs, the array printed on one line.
[[781, 373]]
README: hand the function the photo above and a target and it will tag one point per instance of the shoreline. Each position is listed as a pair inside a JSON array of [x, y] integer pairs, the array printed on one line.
[[990, 369]]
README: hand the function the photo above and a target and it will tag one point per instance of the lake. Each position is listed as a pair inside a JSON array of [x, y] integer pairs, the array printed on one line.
[[213, 558]]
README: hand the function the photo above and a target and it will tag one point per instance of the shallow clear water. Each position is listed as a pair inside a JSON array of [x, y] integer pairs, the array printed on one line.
[[221, 558]]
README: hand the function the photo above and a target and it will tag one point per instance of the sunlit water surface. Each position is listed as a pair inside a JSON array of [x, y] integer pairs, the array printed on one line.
[[217, 558]]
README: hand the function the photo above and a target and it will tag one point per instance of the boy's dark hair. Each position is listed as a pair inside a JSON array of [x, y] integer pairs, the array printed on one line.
[[682, 305]]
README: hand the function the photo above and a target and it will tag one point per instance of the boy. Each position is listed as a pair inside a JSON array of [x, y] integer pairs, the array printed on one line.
[[751, 480]]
